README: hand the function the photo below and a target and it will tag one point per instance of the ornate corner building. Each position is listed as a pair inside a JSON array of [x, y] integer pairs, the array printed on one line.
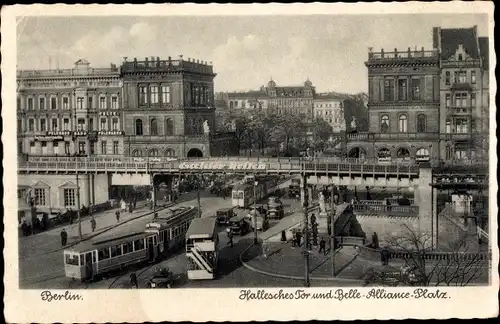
[[427, 104]]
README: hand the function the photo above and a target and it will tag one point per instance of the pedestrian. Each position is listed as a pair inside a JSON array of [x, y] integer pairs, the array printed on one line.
[[130, 207], [387, 256], [155, 216], [299, 239], [117, 214], [93, 223], [322, 246], [133, 280], [313, 219], [283, 236], [24, 228], [64, 237], [135, 201], [382, 257], [230, 236]]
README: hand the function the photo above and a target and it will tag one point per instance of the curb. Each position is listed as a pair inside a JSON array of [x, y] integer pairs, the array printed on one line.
[[109, 228]]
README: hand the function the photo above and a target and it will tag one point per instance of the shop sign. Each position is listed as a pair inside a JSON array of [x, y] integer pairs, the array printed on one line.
[[108, 113], [59, 133], [236, 165], [49, 138], [114, 132], [92, 136]]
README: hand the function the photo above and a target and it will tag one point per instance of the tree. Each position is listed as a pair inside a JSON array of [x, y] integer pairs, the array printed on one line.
[[322, 131], [457, 266], [355, 107]]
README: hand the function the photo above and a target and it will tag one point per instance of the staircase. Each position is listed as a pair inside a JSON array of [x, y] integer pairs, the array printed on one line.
[[199, 260], [448, 213]]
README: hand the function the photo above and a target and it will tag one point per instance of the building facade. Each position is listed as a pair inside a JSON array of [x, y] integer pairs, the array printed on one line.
[[70, 112], [464, 89], [244, 102], [169, 109], [330, 108]]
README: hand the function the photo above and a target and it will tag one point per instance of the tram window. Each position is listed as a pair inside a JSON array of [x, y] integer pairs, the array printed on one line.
[[162, 236], [103, 254], [116, 251], [139, 245], [154, 240], [72, 259], [127, 247], [93, 256]]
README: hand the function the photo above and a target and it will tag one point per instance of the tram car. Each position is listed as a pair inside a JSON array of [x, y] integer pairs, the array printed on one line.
[[91, 259], [243, 194]]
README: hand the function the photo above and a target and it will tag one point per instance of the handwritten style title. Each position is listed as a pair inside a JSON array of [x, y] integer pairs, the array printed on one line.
[[222, 166], [341, 294]]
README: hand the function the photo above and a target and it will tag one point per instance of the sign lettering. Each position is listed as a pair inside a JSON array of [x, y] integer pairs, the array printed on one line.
[[222, 166]]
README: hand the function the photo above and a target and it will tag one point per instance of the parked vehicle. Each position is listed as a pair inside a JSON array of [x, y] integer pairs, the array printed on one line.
[[224, 215], [162, 278], [239, 225]]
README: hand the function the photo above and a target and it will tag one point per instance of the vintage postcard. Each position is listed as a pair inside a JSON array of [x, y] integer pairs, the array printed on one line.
[[249, 162]]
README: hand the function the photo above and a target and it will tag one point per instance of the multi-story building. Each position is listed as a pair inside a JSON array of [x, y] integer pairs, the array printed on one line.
[[464, 112], [330, 108], [169, 109], [242, 102], [403, 107], [69, 112], [296, 100]]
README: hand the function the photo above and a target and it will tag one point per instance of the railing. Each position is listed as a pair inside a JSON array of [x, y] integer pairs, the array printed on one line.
[[68, 72], [200, 260], [392, 136], [387, 209], [392, 201], [459, 110], [350, 240], [402, 55], [166, 65], [374, 254]]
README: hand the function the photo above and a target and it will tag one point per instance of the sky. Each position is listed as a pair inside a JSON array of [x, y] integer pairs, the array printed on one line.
[[246, 51]]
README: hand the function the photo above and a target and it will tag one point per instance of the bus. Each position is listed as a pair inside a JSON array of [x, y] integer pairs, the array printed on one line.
[[202, 249]]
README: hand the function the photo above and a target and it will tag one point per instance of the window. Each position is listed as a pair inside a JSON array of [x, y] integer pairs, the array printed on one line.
[[91, 102], [56, 148], [115, 124], [44, 147], [115, 147], [473, 99], [91, 124], [69, 197], [169, 127], [127, 247], [473, 77], [403, 124], [81, 148], [384, 124], [54, 125], [422, 155], [447, 78], [43, 125], [31, 125], [384, 154], [32, 148], [460, 57], [403, 153], [448, 127], [66, 148], [114, 102], [138, 127], [103, 124], [421, 123], [153, 152], [389, 90], [402, 90], [65, 101], [30, 103], [40, 197], [136, 153], [154, 94], [42, 103], [462, 77], [153, 127], [73, 259], [79, 102], [104, 149], [143, 95], [81, 124], [448, 100], [461, 99], [165, 95], [53, 103], [116, 251], [103, 254], [139, 245], [415, 89], [66, 124], [102, 102], [19, 125], [462, 126]]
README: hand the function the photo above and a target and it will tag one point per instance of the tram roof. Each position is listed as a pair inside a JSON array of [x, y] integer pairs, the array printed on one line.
[[93, 245], [201, 228]]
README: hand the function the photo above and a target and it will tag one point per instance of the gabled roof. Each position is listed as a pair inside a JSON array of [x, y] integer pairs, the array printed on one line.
[[452, 38], [40, 184], [484, 51], [68, 184]]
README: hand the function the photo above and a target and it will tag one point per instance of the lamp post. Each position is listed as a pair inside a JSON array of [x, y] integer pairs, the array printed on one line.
[[78, 205], [198, 195], [306, 234], [255, 236], [332, 224]]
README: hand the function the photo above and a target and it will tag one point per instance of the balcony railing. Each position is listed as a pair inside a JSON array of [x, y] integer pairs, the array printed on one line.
[[389, 210], [460, 111], [409, 54], [392, 136], [68, 72], [392, 201]]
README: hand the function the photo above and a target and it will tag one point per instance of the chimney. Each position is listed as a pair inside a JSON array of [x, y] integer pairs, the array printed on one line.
[[382, 53], [436, 38]]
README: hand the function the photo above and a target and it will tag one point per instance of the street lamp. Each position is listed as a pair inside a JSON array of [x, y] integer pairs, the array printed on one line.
[[78, 204], [255, 237], [306, 236]]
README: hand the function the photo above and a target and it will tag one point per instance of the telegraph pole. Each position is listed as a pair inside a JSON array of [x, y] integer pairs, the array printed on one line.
[[255, 237], [332, 224], [198, 196], [78, 206], [306, 231]]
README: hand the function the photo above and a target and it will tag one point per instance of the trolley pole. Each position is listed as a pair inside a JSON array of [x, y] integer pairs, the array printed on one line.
[[78, 206], [306, 232], [198, 196], [255, 237]]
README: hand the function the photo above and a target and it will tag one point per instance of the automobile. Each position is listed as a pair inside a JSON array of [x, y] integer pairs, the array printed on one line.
[[275, 208], [162, 278], [262, 222], [239, 225], [224, 215]]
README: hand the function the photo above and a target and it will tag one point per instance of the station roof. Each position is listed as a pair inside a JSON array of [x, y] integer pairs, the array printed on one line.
[[201, 227]]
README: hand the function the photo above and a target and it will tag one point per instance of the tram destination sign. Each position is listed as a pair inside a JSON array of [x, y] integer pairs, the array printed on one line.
[[223, 165]]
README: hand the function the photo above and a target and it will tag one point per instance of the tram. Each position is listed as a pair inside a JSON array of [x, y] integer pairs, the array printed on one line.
[[91, 259], [243, 194], [202, 249]]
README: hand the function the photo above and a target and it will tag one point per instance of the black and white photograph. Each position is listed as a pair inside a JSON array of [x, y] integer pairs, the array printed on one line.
[[320, 155]]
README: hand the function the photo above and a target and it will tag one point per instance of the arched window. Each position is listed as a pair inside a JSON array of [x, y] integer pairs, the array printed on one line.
[[169, 127], [403, 124], [153, 127], [421, 123], [231, 104], [136, 153], [384, 155], [384, 124], [422, 155], [138, 127], [169, 153], [153, 152], [403, 153]]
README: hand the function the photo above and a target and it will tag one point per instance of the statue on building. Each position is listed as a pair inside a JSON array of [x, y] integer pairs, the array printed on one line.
[[353, 123], [206, 128], [322, 205]]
